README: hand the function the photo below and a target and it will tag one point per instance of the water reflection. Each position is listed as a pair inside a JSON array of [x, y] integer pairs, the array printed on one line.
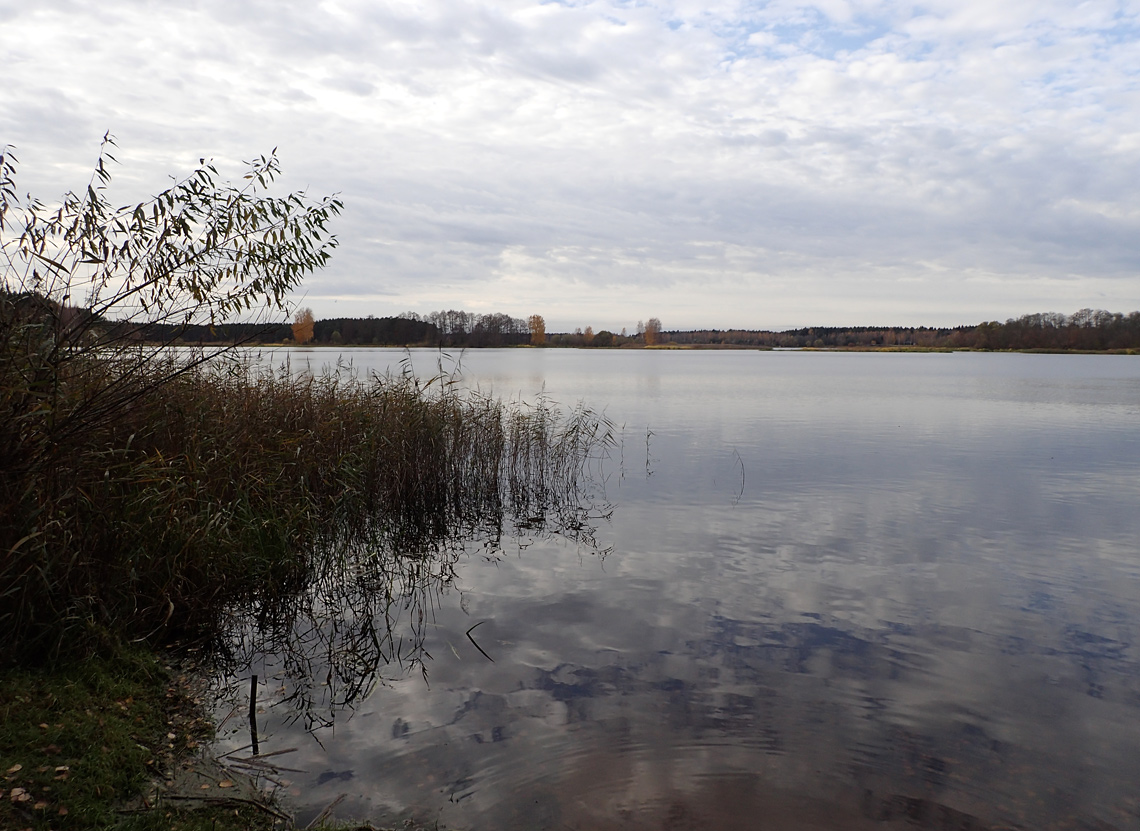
[[363, 618], [919, 613], [811, 721]]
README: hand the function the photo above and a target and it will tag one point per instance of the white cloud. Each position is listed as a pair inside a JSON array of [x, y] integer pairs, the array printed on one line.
[[736, 164]]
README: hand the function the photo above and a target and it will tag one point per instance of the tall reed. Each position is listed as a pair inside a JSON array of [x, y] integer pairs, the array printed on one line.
[[217, 484]]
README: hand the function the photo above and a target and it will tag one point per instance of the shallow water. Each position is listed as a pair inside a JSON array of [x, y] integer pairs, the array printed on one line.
[[835, 591]]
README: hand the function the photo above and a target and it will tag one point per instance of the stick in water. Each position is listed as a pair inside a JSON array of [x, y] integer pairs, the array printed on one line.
[[485, 655], [253, 713]]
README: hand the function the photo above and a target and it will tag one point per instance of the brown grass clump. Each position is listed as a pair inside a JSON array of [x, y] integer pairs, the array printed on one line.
[[147, 492], [214, 486]]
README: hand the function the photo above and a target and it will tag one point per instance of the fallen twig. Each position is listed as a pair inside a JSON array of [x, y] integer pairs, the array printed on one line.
[[485, 655], [323, 815]]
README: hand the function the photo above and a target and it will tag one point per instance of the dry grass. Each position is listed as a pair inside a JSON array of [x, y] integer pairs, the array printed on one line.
[[143, 496]]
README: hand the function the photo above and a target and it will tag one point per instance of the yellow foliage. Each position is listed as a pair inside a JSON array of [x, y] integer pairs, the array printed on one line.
[[537, 330], [303, 323]]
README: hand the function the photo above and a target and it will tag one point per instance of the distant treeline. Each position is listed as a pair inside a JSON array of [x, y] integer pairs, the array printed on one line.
[[1092, 329], [378, 331], [459, 328], [450, 329], [1088, 329]]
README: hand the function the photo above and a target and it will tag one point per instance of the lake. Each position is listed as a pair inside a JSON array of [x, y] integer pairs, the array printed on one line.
[[818, 591]]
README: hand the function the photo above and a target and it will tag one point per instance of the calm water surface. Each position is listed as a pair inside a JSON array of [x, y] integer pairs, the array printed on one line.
[[835, 591]]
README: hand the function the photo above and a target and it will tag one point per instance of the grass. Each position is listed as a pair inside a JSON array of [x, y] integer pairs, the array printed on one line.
[[145, 500], [85, 746], [151, 495], [79, 743], [219, 487]]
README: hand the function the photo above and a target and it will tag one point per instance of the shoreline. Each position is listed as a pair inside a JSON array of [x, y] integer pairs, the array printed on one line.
[[122, 742], [666, 347]]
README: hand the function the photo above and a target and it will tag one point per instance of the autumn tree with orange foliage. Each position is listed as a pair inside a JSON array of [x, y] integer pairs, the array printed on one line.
[[537, 330], [652, 331], [303, 323]]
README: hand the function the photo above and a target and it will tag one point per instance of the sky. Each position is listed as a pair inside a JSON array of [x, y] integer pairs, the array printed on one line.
[[712, 164]]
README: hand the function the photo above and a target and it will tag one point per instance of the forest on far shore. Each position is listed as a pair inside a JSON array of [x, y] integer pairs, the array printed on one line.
[[1088, 330], [1085, 330]]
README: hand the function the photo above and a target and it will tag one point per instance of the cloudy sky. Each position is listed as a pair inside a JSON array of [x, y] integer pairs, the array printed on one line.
[[717, 163]]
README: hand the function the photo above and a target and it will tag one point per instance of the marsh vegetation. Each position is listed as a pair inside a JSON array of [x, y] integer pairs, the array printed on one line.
[[152, 494], [147, 491]]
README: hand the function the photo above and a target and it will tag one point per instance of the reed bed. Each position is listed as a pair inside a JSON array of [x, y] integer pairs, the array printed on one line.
[[213, 485]]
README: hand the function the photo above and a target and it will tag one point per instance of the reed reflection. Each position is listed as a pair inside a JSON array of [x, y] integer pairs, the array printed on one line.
[[361, 615]]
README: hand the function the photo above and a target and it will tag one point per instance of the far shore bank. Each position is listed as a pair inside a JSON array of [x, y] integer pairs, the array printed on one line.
[[721, 347]]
